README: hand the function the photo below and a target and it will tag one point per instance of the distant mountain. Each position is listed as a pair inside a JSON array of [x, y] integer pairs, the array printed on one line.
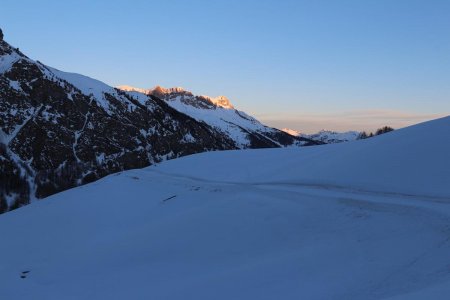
[[59, 130], [291, 131], [219, 113], [333, 137], [327, 136]]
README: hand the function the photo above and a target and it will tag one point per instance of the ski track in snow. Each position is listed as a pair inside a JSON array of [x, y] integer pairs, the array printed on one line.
[[317, 223], [432, 209], [296, 218], [283, 185]]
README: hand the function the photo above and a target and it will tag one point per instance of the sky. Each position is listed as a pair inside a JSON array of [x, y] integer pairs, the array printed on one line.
[[306, 65]]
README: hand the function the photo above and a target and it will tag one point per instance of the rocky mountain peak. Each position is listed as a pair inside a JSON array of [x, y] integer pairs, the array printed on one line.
[[291, 131], [222, 101], [171, 93], [163, 92], [157, 91]]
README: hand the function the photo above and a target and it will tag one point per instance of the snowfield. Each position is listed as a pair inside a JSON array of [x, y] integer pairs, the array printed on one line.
[[368, 219]]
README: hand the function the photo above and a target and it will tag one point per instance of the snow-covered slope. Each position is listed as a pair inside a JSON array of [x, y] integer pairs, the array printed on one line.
[[414, 160], [362, 220], [218, 112]]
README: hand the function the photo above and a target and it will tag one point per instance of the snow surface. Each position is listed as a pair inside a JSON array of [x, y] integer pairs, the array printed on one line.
[[87, 85], [415, 160], [236, 124], [8, 60], [362, 220]]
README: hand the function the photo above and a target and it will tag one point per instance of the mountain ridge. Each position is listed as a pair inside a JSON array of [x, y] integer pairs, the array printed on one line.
[[219, 113], [59, 130], [162, 92]]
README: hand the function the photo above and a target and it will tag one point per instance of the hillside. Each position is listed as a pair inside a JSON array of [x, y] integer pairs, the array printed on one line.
[[362, 220]]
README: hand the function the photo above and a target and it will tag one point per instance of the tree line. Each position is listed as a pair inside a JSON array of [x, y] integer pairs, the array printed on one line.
[[382, 130]]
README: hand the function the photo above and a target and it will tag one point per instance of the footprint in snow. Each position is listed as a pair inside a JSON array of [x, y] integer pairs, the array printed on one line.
[[24, 274]]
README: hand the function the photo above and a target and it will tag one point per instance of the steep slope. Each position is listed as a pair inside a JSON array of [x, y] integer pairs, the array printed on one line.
[[362, 220], [244, 130], [59, 130]]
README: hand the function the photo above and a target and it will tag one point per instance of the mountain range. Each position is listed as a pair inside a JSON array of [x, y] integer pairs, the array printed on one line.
[[327, 136], [220, 114], [59, 130]]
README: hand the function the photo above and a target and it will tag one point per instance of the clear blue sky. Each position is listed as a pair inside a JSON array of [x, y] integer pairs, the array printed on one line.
[[347, 64]]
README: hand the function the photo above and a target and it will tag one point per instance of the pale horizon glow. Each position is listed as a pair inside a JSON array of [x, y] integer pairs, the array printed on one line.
[[367, 121], [304, 65], [309, 123]]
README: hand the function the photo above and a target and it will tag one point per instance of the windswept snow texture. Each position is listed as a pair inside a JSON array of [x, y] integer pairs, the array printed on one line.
[[362, 220]]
